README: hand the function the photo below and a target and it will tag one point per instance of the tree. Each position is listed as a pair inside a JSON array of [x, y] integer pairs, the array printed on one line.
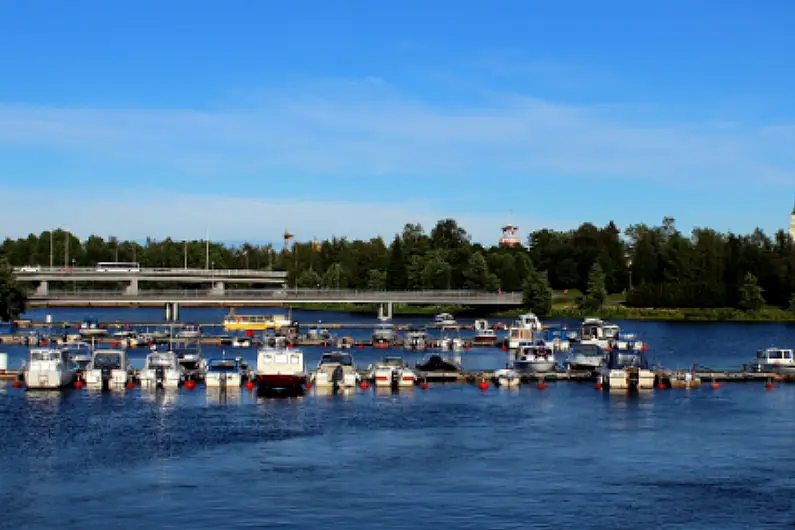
[[334, 277], [476, 275], [436, 272], [536, 293], [396, 275], [376, 280], [13, 300], [309, 279], [751, 298], [596, 294]]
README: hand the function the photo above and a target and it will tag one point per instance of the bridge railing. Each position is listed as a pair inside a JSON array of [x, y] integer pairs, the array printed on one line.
[[285, 294], [150, 271]]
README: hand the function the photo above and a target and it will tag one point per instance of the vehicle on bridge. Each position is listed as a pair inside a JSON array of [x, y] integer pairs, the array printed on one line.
[[117, 266]]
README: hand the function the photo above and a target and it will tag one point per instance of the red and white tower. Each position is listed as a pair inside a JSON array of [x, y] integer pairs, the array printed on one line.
[[510, 237]]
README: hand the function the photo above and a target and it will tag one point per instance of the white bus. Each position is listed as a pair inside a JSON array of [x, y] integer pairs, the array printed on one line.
[[118, 267]]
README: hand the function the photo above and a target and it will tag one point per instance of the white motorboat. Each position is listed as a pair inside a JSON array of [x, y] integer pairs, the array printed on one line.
[[383, 335], [128, 339], [523, 330], [79, 352], [279, 367], [444, 319], [555, 338], [223, 373], [608, 336], [189, 330], [392, 372], [507, 377], [626, 371], [49, 369], [241, 342], [90, 328], [415, 338], [451, 339], [161, 369], [345, 343], [108, 369], [335, 370], [585, 357], [189, 356], [775, 360], [534, 357]]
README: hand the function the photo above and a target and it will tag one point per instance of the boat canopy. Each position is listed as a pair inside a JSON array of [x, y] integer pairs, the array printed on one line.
[[341, 358], [621, 359], [46, 355], [587, 349], [774, 353], [223, 365], [392, 360], [108, 359], [159, 360]]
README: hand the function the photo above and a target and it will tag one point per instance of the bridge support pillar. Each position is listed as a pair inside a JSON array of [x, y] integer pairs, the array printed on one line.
[[172, 312], [218, 288], [132, 288], [385, 311], [43, 288]]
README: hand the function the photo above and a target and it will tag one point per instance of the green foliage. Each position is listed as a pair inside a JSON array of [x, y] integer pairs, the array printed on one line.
[[792, 304], [596, 294], [396, 274], [377, 280], [751, 298], [309, 279], [12, 296], [536, 293]]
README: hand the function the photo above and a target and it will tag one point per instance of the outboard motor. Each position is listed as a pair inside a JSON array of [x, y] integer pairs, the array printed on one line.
[[105, 377], [337, 377], [634, 379], [395, 379], [160, 375]]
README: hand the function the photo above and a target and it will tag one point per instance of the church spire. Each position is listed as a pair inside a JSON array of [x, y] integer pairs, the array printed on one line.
[[793, 210]]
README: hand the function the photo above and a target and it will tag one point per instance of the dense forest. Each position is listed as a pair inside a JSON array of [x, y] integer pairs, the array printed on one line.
[[656, 266]]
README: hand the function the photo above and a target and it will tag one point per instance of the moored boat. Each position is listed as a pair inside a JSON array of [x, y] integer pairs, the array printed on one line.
[[585, 357], [780, 360], [392, 372], [49, 369], [534, 357], [555, 338], [161, 369], [190, 330], [444, 319], [523, 329], [626, 371], [484, 335], [451, 339], [335, 370], [440, 363], [235, 322], [686, 380], [415, 338], [280, 368], [108, 369], [90, 327], [507, 377], [383, 335], [223, 373], [79, 352]]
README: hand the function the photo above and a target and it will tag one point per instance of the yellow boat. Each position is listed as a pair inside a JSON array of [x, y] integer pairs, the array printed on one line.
[[235, 322]]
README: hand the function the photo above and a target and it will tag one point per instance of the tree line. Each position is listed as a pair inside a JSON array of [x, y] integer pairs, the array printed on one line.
[[654, 266]]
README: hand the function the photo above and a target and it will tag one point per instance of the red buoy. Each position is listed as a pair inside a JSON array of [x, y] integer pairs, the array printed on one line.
[[114, 344], [289, 345], [189, 384], [249, 385], [661, 385], [769, 386], [715, 385], [16, 384], [363, 385], [424, 386], [483, 385], [78, 384], [645, 348], [503, 347], [361, 346], [541, 385], [598, 386], [130, 384], [308, 386]]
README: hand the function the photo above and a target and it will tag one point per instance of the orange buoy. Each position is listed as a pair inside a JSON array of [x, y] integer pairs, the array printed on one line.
[[598, 386], [130, 384], [190, 385], [249, 385], [661, 385], [308, 386], [483, 385], [715, 385], [424, 386], [363, 385], [16, 384], [541, 385], [78, 384]]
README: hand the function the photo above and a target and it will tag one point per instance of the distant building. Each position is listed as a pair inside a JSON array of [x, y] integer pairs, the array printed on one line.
[[792, 223], [510, 237]]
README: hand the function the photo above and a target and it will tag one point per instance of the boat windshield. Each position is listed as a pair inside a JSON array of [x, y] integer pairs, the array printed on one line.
[[223, 365], [107, 360], [610, 331], [45, 355], [393, 361], [186, 352], [159, 361], [587, 349], [775, 354], [345, 360]]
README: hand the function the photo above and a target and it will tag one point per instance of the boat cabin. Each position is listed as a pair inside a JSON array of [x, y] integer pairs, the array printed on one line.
[[587, 350], [384, 331], [223, 365], [618, 360], [481, 324], [444, 319], [595, 328], [89, 323], [486, 334], [280, 361], [537, 348], [528, 320], [46, 356], [416, 331], [109, 360], [161, 360], [275, 342], [775, 356], [340, 358], [393, 360], [79, 352]]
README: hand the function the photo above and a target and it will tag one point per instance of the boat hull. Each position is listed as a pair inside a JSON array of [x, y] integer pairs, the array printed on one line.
[[535, 366], [381, 344], [507, 378], [48, 379], [222, 379], [116, 378], [628, 379], [279, 381]]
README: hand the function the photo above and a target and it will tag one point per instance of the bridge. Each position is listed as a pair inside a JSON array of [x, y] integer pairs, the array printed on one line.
[[217, 278], [263, 297]]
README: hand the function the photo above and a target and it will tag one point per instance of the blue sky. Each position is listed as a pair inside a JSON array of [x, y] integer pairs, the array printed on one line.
[[246, 118]]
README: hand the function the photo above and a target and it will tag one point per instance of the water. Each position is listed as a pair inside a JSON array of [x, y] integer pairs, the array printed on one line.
[[565, 457]]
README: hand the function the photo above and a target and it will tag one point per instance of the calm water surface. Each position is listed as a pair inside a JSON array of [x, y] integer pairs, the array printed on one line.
[[565, 457]]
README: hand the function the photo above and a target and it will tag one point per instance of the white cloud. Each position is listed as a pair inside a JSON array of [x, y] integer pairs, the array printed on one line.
[[369, 128]]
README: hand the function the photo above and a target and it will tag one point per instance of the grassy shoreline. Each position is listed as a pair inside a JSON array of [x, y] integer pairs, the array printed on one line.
[[571, 311]]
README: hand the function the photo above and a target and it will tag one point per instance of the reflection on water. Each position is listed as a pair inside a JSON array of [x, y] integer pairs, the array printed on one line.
[[163, 398], [347, 392], [223, 396]]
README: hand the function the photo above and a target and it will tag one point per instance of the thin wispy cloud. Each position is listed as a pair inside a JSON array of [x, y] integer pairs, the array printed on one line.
[[375, 129]]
